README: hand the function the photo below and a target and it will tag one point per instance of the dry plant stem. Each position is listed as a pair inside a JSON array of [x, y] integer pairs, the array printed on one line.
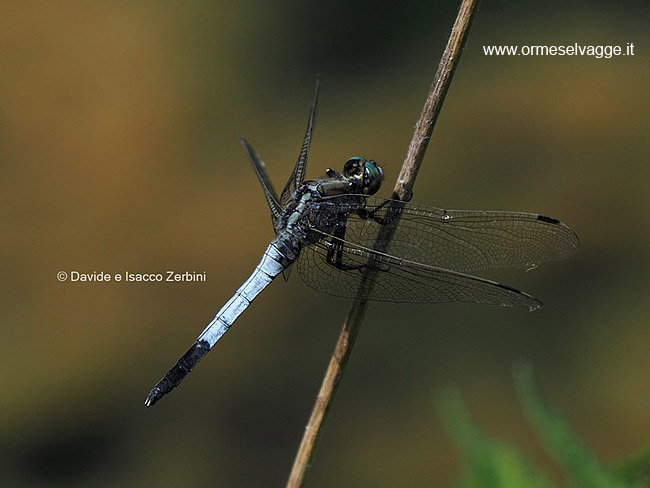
[[402, 191]]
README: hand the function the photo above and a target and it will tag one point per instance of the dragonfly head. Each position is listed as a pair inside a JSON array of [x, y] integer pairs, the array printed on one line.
[[365, 175]]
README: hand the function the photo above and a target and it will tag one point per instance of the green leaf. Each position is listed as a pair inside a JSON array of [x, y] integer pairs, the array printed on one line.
[[487, 463], [635, 468], [580, 465]]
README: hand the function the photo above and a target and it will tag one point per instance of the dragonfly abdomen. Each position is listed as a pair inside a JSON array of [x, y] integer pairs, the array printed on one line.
[[274, 261]]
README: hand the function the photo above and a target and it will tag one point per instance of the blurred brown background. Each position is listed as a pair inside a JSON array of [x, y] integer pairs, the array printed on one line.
[[119, 126]]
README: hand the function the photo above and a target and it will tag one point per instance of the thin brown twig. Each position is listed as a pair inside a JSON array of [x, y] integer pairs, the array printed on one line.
[[402, 191]]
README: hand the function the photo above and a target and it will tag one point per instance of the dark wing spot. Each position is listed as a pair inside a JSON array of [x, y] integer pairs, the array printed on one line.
[[548, 220]]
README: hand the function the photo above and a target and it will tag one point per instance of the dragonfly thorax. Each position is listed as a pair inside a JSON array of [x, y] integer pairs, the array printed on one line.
[[319, 206], [311, 212]]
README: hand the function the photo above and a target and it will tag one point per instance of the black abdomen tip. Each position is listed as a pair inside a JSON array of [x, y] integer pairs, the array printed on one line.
[[163, 387], [175, 375], [154, 395]]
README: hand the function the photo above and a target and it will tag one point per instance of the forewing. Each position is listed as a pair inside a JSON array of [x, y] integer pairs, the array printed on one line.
[[260, 170], [299, 171], [397, 280], [461, 240]]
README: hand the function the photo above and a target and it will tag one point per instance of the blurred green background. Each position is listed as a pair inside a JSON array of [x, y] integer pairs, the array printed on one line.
[[119, 126]]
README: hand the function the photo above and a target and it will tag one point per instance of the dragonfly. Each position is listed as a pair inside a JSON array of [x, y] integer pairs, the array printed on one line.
[[349, 243]]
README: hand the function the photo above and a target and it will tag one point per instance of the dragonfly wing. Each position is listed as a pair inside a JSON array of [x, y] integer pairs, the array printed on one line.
[[267, 185], [397, 280], [460, 240], [298, 175]]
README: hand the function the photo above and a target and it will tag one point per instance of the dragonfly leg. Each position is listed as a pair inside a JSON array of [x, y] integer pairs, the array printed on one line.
[[335, 251], [366, 215]]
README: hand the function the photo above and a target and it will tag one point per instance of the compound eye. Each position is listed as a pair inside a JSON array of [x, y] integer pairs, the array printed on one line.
[[372, 177], [354, 166]]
